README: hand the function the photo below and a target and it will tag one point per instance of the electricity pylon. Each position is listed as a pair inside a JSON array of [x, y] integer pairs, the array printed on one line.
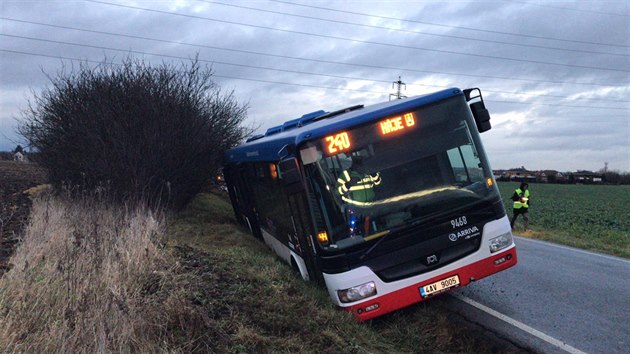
[[398, 94]]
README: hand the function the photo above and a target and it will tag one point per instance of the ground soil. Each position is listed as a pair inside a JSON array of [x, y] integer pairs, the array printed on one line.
[[15, 204]]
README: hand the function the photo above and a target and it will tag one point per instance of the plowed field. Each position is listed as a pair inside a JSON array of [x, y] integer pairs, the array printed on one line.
[[15, 178]]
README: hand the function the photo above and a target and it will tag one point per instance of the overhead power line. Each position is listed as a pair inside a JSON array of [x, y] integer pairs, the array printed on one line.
[[280, 70], [363, 41], [417, 32], [570, 9], [311, 86], [398, 69], [451, 26], [214, 74], [308, 85]]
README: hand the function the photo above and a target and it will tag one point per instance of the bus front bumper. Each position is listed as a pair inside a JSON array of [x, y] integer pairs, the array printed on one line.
[[411, 294]]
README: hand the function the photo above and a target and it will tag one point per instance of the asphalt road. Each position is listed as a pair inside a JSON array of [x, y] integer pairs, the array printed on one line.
[[555, 300]]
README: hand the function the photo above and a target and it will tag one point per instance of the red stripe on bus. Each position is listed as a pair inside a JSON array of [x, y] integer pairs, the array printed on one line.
[[411, 295]]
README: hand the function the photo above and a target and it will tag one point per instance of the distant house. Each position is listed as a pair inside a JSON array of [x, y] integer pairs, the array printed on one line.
[[18, 156], [551, 176], [547, 176], [520, 174], [542, 176], [562, 177], [498, 174], [587, 177]]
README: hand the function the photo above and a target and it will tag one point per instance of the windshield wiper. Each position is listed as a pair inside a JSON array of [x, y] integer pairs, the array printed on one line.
[[365, 254], [386, 235]]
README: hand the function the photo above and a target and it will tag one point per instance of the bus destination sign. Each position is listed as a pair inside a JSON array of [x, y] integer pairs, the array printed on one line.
[[341, 142], [398, 123]]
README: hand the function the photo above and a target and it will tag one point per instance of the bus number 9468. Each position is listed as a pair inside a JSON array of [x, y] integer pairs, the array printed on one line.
[[459, 222]]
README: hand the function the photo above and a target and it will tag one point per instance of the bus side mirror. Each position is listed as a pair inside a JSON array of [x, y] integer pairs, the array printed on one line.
[[290, 175], [479, 111]]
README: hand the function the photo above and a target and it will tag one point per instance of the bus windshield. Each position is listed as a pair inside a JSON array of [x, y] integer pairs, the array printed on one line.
[[378, 181]]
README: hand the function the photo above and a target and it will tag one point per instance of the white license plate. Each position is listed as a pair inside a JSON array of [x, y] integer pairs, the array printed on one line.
[[439, 286]]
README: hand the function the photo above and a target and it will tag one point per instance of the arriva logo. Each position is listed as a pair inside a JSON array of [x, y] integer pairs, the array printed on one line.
[[466, 233]]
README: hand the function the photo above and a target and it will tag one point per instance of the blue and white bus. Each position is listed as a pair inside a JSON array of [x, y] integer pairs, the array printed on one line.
[[386, 205]]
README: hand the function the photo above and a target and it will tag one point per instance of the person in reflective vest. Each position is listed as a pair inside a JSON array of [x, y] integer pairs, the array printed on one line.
[[357, 190], [521, 205], [356, 186]]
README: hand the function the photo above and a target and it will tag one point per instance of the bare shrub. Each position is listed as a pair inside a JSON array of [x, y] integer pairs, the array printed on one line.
[[87, 277], [142, 132]]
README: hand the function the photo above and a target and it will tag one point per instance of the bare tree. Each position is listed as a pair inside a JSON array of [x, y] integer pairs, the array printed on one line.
[[141, 132]]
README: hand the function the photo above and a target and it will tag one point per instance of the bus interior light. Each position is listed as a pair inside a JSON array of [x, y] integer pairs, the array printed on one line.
[[500, 242], [357, 293]]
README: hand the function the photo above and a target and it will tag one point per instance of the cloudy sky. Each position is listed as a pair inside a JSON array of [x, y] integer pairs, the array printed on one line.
[[555, 74]]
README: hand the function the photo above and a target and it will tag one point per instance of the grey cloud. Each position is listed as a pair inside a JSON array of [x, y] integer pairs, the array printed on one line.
[[547, 123]]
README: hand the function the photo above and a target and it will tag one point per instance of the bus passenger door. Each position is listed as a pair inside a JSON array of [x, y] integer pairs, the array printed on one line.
[[247, 204], [293, 185], [234, 191], [305, 246]]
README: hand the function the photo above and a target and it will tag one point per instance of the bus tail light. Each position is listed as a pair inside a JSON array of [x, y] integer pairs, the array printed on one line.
[[500, 242], [357, 293]]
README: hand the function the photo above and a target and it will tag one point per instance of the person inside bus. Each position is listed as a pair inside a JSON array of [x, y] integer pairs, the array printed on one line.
[[356, 187]]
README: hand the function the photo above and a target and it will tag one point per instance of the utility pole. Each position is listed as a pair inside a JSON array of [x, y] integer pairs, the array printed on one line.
[[398, 94]]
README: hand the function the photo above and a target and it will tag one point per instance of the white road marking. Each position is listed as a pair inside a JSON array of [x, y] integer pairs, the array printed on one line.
[[568, 248], [534, 332]]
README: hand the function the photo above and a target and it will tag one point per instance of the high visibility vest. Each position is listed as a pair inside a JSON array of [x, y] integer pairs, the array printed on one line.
[[518, 204], [362, 190]]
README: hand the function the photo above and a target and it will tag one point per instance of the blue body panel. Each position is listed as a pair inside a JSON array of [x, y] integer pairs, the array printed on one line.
[[294, 133]]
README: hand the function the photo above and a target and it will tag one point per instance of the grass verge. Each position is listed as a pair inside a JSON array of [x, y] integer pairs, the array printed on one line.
[[87, 277]]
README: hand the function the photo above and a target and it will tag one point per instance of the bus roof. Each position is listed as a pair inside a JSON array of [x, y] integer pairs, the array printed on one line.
[[265, 147]]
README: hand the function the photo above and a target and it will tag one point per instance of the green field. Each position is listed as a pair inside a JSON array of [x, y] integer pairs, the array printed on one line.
[[592, 217]]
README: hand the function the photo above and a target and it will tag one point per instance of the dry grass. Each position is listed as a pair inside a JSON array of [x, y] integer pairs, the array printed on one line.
[[83, 280]]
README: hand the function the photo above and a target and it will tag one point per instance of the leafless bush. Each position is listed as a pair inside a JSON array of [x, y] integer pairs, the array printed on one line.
[[142, 132], [87, 277]]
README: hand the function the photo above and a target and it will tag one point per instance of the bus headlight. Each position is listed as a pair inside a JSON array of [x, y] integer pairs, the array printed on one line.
[[358, 292], [500, 242]]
